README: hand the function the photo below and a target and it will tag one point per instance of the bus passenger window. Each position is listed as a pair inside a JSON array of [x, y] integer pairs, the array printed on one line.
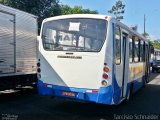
[[130, 49], [141, 51], [118, 46], [144, 52], [136, 49]]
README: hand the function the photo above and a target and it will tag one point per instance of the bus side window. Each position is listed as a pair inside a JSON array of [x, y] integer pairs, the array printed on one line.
[[141, 50], [144, 51], [136, 49], [118, 45], [130, 48]]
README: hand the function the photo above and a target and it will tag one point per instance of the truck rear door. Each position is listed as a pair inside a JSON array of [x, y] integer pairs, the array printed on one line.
[[7, 43]]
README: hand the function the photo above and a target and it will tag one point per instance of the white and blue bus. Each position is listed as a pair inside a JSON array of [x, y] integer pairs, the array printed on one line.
[[92, 58]]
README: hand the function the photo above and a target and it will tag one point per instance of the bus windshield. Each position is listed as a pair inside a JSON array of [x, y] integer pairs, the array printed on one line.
[[76, 34]]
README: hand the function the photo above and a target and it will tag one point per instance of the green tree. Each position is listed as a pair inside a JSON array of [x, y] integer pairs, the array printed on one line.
[[118, 9], [45, 8], [156, 44], [145, 34], [40, 8], [65, 9]]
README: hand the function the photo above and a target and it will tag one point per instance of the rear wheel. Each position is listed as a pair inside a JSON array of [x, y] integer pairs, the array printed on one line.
[[147, 76], [146, 79], [129, 94]]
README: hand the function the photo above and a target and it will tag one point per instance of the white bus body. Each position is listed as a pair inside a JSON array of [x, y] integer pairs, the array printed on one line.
[[18, 48], [89, 57]]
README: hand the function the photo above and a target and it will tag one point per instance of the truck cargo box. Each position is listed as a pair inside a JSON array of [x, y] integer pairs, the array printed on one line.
[[18, 44]]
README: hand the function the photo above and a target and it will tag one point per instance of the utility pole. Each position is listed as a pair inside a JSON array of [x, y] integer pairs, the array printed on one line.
[[144, 25]]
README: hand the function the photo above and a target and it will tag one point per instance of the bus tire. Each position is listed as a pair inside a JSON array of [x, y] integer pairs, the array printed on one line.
[[147, 78], [145, 81], [129, 94], [130, 91]]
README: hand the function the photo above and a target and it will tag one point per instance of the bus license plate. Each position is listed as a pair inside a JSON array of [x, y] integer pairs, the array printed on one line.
[[70, 94]]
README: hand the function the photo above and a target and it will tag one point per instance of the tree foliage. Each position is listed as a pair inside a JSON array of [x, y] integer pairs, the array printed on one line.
[[145, 34], [45, 8], [40, 8], [65, 9], [156, 44], [118, 9]]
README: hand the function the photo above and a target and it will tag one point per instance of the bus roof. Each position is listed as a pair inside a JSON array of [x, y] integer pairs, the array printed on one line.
[[131, 30], [97, 16]]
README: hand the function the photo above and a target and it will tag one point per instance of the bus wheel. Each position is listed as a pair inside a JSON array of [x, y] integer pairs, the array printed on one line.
[[127, 98], [145, 81], [129, 93], [147, 78]]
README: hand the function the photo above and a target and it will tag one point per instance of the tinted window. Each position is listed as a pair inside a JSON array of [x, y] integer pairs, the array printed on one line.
[[130, 48], [136, 49], [74, 35], [141, 50], [118, 45]]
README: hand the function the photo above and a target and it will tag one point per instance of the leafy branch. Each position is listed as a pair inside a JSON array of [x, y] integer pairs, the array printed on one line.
[[118, 9]]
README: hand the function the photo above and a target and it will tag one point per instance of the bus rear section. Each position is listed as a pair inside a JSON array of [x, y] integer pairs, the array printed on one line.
[[72, 59]]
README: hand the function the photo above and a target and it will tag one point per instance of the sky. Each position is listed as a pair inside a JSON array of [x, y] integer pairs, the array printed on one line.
[[134, 12]]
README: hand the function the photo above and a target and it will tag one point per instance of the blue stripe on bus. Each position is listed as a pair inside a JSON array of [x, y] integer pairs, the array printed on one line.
[[138, 84], [103, 96]]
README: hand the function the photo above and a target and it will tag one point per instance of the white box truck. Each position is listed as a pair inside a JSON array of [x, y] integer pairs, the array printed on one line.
[[18, 48]]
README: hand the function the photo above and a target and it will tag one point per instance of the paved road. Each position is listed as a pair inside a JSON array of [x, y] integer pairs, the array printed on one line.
[[28, 105]]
